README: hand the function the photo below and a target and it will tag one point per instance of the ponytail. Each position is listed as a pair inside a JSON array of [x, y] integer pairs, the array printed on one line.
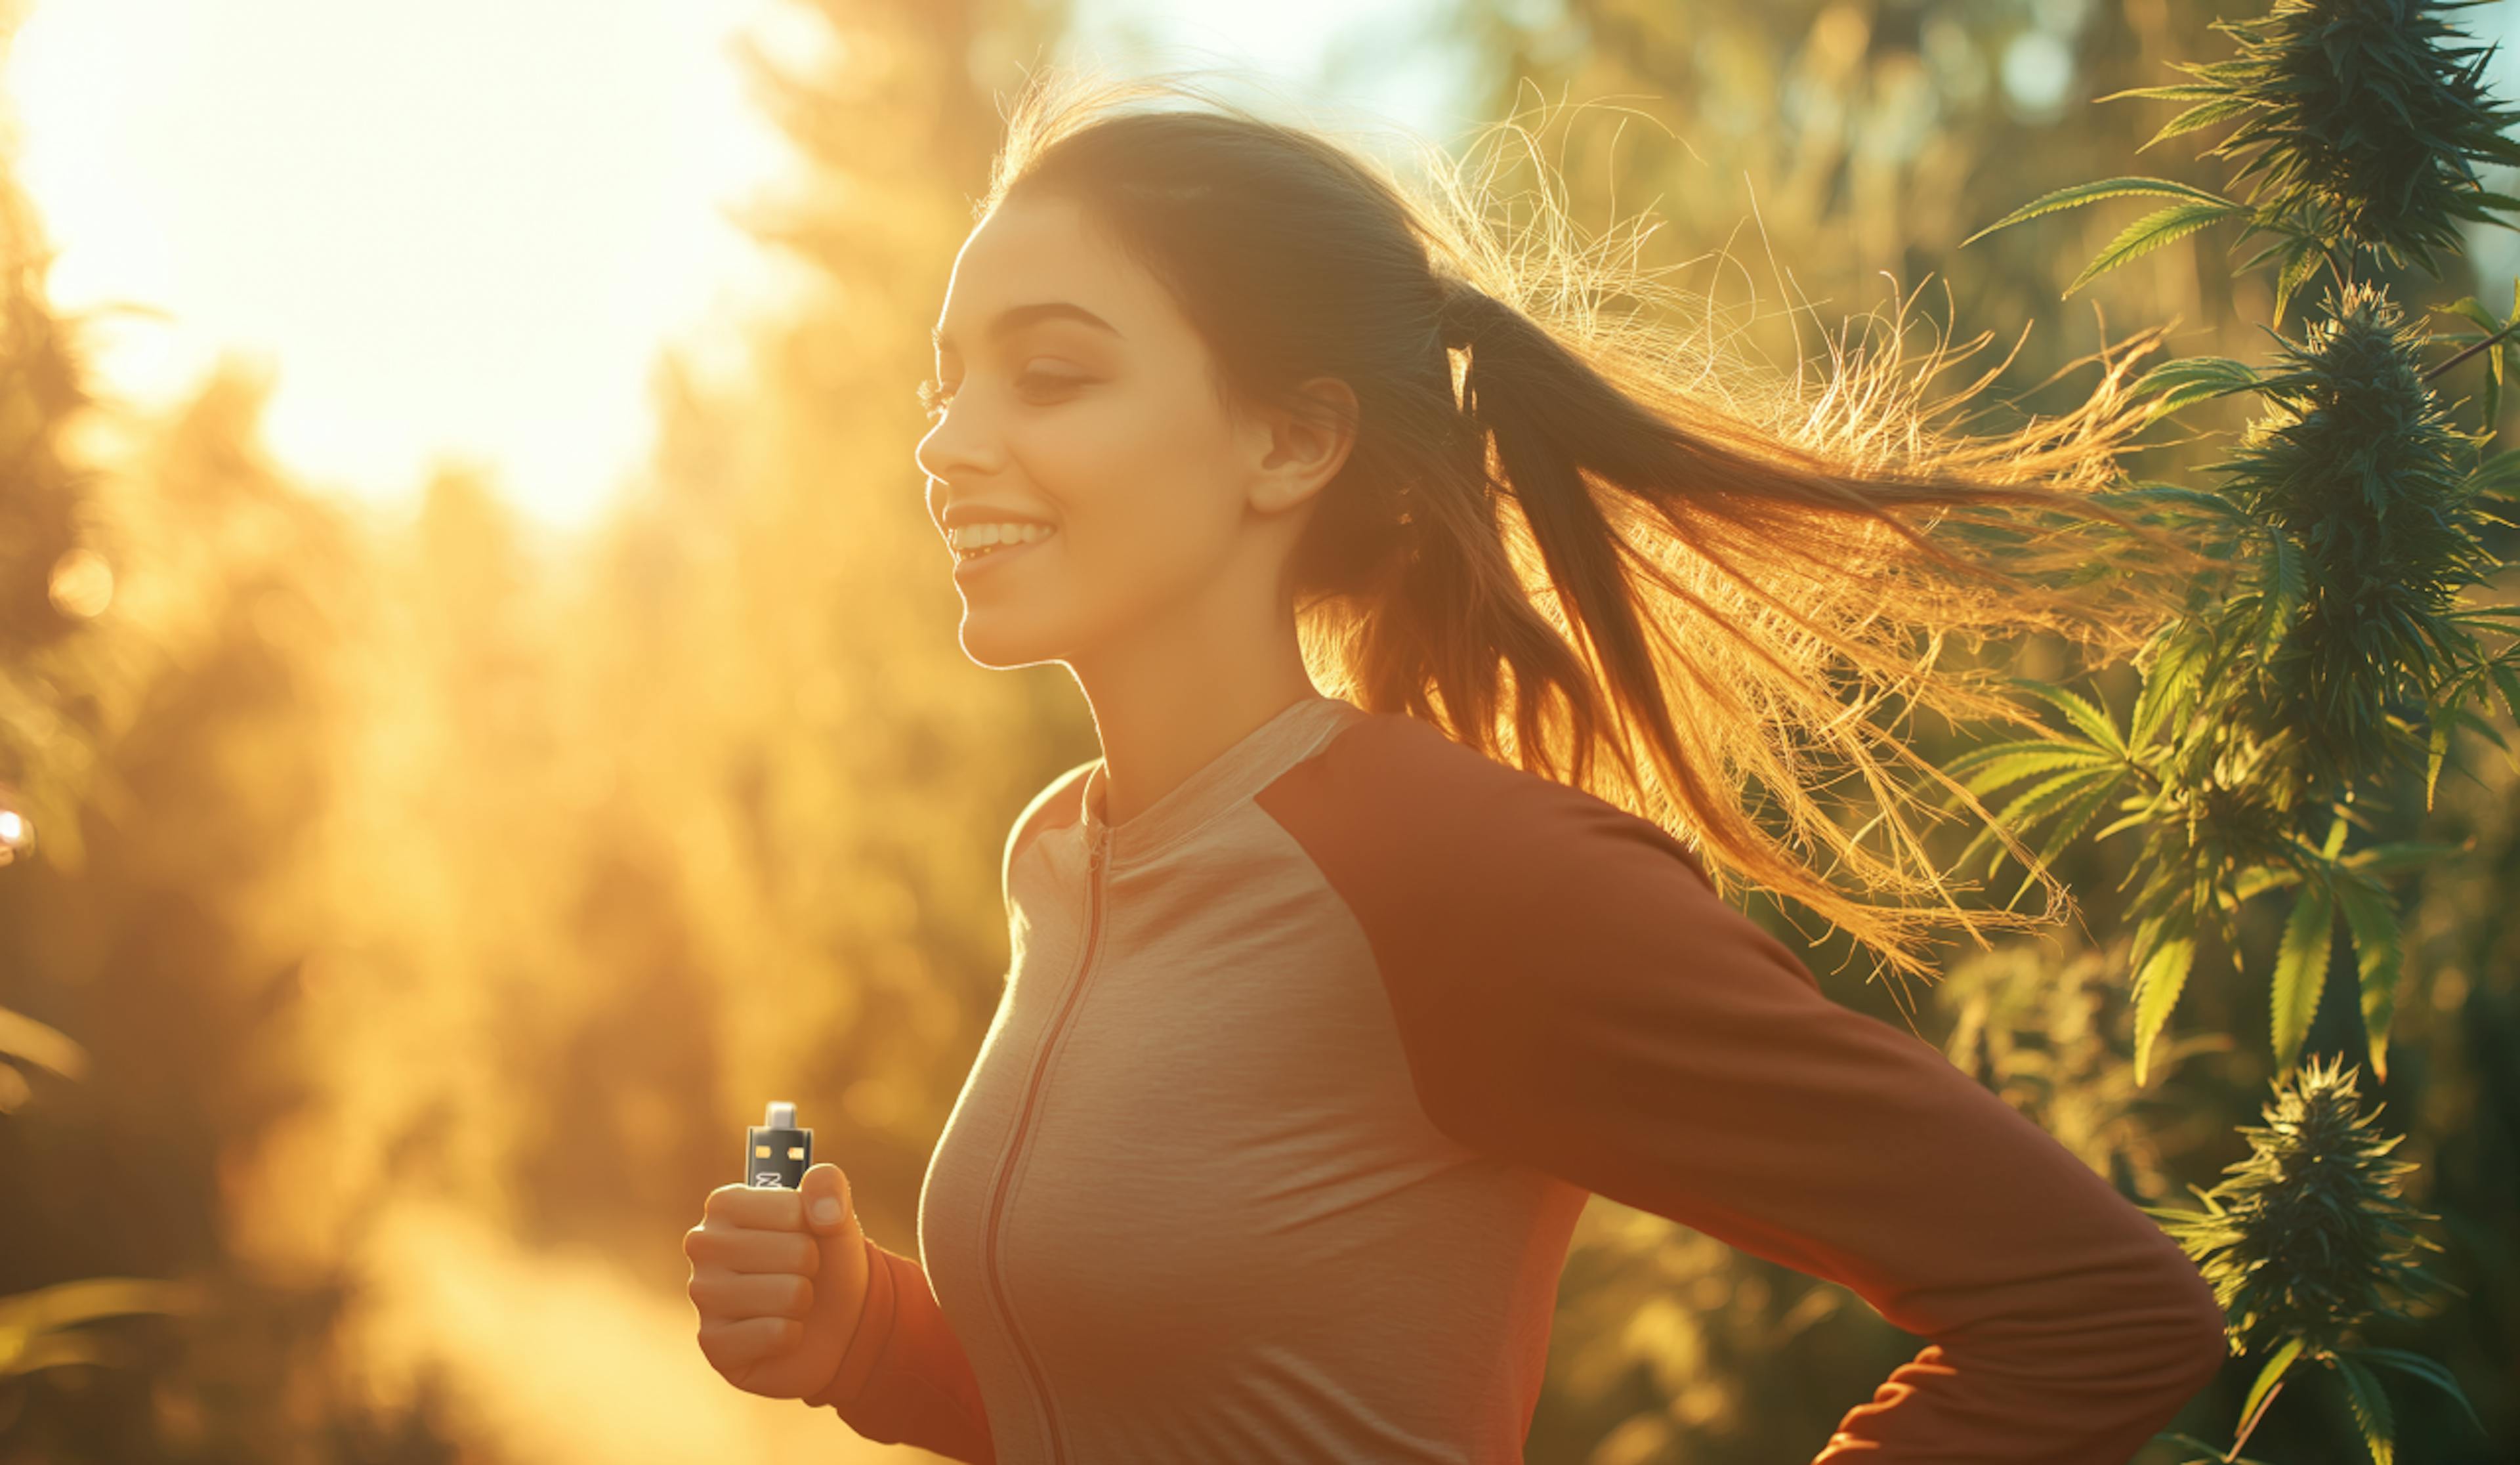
[[1786, 571]]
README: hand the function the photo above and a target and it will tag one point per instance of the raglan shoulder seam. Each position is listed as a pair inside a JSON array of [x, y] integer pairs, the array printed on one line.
[[1427, 839], [1474, 773]]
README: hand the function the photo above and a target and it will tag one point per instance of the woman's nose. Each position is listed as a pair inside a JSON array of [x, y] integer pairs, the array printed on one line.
[[958, 445]]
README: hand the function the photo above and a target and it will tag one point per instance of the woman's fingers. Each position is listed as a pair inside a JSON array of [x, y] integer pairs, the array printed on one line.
[[740, 1249], [740, 1295], [768, 1208], [733, 1345]]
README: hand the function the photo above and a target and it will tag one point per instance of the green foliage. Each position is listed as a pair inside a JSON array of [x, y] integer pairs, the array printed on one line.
[[2494, 339], [2187, 380], [46, 1328], [2076, 195], [24, 1041], [2307, 1241], [2050, 1034], [2360, 132]]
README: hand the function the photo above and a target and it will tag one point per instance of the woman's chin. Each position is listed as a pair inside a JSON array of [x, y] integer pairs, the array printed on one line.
[[990, 640]]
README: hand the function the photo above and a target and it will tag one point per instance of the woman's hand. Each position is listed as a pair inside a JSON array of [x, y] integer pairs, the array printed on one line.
[[779, 1277]]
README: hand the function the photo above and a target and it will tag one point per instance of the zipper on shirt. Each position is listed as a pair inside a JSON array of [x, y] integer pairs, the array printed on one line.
[[1098, 837]]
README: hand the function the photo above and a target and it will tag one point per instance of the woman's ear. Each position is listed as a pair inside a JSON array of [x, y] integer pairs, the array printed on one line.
[[1304, 452]]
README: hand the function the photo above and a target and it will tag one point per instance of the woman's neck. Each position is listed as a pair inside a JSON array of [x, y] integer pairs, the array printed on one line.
[[1156, 735]]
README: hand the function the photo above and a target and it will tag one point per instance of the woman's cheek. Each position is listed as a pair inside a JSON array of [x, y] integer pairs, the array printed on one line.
[[1123, 482], [1133, 567]]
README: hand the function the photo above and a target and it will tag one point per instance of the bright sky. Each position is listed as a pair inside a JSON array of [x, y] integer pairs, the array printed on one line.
[[462, 228]]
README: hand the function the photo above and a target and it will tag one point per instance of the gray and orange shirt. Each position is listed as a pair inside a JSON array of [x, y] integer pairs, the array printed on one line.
[[1302, 1074]]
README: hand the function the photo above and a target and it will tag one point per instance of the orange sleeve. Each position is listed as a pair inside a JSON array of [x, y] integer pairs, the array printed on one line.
[[904, 1379], [1573, 995]]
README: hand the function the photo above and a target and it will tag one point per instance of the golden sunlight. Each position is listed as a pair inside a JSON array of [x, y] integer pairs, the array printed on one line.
[[456, 229]]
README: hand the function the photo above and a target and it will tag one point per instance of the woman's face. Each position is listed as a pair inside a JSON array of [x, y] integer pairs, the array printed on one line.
[[1076, 396]]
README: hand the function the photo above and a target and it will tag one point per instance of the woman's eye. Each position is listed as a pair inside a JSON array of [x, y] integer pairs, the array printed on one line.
[[1049, 381], [936, 397]]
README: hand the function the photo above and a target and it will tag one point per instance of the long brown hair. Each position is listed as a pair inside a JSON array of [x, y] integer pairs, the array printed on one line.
[[1564, 532]]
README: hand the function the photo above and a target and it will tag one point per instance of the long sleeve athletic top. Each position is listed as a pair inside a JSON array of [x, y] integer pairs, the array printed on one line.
[[1300, 1076]]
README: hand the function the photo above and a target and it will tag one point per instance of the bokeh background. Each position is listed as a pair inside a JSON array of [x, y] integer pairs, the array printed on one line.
[[485, 693]]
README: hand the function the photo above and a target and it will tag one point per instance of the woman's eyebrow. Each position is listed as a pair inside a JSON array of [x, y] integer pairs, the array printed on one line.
[[1016, 317]]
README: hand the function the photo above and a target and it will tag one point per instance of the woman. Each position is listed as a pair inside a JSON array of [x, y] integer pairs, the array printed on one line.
[[1326, 1013]]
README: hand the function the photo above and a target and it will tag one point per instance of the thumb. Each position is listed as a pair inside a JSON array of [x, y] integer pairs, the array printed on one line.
[[826, 1193]]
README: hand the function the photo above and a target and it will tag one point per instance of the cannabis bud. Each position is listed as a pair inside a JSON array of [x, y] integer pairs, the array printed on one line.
[[2307, 1238]]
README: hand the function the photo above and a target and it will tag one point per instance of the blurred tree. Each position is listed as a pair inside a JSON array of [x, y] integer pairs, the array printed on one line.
[[153, 627], [52, 579], [1849, 140]]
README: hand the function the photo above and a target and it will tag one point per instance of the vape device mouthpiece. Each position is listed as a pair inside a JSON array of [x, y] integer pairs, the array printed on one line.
[[777, 1153]]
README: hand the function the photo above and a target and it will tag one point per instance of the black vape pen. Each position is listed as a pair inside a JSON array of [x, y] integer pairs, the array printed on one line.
[[776, 1152]]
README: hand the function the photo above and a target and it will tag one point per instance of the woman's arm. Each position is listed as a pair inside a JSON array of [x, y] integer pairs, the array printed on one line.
[[1572, 995], [904, 1379]]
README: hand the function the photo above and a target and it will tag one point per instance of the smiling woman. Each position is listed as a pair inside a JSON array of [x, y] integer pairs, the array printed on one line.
[[1328, 1009]]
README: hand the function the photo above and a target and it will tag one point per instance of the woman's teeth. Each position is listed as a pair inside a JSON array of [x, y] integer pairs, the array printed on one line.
[[975, 540]]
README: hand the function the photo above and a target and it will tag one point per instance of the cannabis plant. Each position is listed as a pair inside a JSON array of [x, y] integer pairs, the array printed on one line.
[[2349, 638]]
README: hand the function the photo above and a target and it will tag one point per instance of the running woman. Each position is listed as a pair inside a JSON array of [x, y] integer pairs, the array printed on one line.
[[1326, 1012]]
